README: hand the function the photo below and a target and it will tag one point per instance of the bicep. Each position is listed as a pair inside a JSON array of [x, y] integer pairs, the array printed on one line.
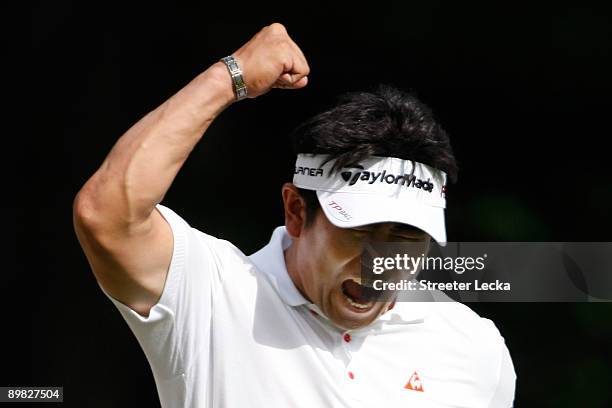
[[131, 266]]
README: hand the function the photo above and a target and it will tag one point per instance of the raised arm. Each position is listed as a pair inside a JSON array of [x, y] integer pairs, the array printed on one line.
[[127, 242]]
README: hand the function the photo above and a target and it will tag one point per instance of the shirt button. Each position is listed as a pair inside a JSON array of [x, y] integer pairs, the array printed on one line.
[[351, 375], [347, 337]]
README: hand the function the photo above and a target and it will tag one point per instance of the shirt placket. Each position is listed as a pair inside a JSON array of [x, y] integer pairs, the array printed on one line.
[[351, 376], [342, 349]]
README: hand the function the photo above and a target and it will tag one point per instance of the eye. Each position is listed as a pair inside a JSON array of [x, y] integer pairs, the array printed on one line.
[[410, 235], [361, 232], [363, 229], [409, 238]]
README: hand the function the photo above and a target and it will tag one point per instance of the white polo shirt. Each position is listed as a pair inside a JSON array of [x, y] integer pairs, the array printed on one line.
[[232, 330]]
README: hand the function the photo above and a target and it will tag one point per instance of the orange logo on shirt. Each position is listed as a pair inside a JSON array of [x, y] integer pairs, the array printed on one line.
[[414, 383]]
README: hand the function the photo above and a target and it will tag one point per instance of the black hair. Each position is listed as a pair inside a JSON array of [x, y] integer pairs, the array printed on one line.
[[385, 122]]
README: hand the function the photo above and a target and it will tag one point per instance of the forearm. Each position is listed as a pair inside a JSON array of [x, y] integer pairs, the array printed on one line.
[[142, 165]]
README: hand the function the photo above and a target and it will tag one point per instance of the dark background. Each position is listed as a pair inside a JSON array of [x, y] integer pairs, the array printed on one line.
[[523, 89]]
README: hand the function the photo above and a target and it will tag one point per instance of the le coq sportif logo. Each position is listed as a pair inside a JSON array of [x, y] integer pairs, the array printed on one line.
[[359, 174]]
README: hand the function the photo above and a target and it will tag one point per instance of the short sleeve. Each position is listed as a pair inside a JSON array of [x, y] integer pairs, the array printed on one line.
[[504, 393], [178, 326]]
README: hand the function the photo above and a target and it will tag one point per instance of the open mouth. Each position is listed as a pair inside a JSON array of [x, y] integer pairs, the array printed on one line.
[[359, 296]]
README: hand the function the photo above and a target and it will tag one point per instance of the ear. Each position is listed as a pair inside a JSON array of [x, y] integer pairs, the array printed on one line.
[[295, 210]]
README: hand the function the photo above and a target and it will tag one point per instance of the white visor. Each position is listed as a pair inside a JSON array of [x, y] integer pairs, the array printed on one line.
[[378, 189]]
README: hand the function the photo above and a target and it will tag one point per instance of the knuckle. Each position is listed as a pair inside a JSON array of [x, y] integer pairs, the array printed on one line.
[[304, 67], [277, 28]]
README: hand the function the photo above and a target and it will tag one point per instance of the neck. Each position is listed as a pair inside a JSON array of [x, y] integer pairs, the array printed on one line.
[[292, 263]]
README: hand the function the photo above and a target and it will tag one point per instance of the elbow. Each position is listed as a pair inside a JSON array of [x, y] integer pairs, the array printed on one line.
[[100, 213], [90, 219], [84, 214]]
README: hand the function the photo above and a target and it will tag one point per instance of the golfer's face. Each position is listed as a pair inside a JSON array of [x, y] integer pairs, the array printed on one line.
[[332, 278]]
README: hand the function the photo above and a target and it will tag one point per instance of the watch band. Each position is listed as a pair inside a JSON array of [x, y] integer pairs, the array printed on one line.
[[240, 88]]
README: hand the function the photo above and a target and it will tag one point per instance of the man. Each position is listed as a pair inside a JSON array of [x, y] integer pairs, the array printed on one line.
[[291, 325]]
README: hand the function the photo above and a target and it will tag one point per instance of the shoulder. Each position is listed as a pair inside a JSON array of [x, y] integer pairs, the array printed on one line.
[[451, 322], [198, 250]]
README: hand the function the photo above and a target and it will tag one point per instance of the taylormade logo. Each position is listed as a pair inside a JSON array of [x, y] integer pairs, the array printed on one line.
[[410, 180]]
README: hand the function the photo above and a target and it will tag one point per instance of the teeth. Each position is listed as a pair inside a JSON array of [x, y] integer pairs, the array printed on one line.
[[360, 281], [355, 304]]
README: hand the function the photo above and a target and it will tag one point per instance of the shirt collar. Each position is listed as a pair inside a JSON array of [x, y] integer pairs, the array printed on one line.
[[406, 312], [271, 260]]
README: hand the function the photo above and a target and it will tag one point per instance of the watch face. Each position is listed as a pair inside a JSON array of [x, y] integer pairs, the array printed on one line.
[[241, 93]]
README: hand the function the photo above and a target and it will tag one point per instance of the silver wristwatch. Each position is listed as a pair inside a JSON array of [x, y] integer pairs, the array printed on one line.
[[240, 88]]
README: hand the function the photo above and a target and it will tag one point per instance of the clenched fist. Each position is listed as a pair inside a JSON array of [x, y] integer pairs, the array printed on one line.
[[272, 60]]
